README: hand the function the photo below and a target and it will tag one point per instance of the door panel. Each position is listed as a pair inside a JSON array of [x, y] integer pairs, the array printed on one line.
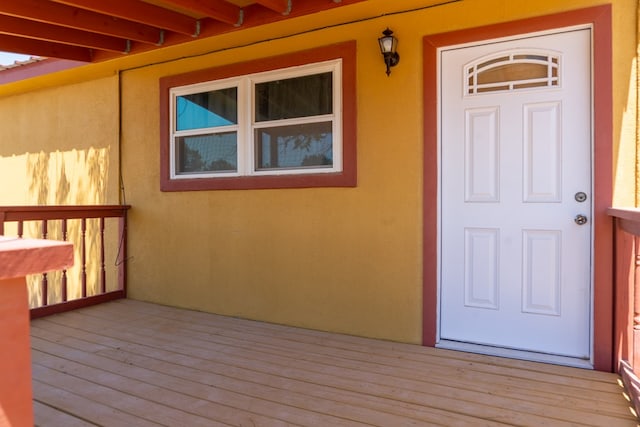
[[482, 155], [515, 149], [542, 154]]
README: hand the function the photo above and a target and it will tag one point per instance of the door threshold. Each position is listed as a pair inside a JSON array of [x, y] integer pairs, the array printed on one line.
[[515, 354]]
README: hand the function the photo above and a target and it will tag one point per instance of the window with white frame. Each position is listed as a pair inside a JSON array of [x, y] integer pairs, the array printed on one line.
[[281, 122]]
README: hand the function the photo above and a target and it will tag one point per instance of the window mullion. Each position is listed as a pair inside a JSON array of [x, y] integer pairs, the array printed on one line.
[[246, 126], [295, 121], [240, 130]]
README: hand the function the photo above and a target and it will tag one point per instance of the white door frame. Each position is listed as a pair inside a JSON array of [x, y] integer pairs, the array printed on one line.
[[497, 350], [600, 17]]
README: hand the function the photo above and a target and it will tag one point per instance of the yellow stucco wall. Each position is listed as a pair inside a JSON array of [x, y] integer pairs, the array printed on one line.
[[340, 259], [59, 146]]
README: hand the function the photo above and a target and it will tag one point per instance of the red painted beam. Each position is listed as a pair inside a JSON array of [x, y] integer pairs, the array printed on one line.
[[45, 49], [219, 10], [72, 17], [76, 304], [280, 6], [139, 11], [255, 15], [47, 32]]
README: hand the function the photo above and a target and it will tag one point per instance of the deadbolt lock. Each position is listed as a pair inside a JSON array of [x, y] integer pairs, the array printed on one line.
[[580, 219], [580, 196]]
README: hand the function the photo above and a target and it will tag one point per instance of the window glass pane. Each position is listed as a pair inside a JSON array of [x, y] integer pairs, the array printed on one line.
[[298, 146], [207, 109], [207, 153], [297, 97], [513, 72]]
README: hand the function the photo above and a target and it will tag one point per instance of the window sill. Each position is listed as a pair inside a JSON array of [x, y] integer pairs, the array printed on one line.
[[342, 179]]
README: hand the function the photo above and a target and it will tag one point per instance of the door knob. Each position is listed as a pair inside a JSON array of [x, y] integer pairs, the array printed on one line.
[[580, 219]]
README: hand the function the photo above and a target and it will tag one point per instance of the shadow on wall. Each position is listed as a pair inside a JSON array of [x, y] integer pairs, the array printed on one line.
[[75, 177], [39, 186]]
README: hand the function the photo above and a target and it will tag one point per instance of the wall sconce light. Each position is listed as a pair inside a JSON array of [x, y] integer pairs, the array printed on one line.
[[388, 46]]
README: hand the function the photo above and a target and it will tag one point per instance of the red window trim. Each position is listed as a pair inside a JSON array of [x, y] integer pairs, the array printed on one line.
[[347, 178]]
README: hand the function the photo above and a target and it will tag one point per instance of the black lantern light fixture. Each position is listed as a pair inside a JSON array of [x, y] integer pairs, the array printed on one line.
[[388, 48]]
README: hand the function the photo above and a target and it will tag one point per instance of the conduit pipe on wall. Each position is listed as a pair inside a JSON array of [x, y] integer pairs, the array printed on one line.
[[637, 71], [637, 90], [636, 253], [122, 199]]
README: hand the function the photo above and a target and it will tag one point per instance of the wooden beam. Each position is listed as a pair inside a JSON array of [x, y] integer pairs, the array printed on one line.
[[219, 10], [254, 15], [45, 49], [73, 17], [47, 32], [139, 11], [280, 6]]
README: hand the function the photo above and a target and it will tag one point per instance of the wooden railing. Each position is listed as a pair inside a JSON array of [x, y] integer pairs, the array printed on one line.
[[99, 235], [626, 291]]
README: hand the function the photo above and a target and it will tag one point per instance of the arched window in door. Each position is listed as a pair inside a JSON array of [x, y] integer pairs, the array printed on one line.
[[511, 71]]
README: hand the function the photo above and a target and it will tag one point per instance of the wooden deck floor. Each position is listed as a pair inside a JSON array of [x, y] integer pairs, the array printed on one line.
[[128, 363]]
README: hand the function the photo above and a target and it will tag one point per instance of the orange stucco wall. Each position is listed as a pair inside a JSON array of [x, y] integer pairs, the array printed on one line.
[[340, 259]]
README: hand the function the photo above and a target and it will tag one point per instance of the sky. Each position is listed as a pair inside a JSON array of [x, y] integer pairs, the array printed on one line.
[[9, 58]]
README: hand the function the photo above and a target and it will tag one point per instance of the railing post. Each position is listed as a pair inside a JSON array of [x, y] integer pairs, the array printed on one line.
[[18, 259], [122, 250], [626, 284]]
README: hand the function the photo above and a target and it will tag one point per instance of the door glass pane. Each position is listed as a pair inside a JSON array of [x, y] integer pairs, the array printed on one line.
[[298, 146], [207, 153], [297, 97], [207, 109], [513, 72]]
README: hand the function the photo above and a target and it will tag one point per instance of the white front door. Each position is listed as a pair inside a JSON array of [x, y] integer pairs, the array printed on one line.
[[516, 194]]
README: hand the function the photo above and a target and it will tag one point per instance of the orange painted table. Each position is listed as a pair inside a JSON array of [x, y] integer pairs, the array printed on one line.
[[19, 257]]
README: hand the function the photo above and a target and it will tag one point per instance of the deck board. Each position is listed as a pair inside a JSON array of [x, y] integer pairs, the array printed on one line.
[[56, 417], [134, 363]]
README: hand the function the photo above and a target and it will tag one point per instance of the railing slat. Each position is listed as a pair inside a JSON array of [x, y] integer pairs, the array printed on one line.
[[83, 245], [64, 272], [103, 271], [45, 282]]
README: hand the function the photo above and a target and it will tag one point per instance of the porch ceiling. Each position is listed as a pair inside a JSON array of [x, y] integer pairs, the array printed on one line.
[[97, 30]]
